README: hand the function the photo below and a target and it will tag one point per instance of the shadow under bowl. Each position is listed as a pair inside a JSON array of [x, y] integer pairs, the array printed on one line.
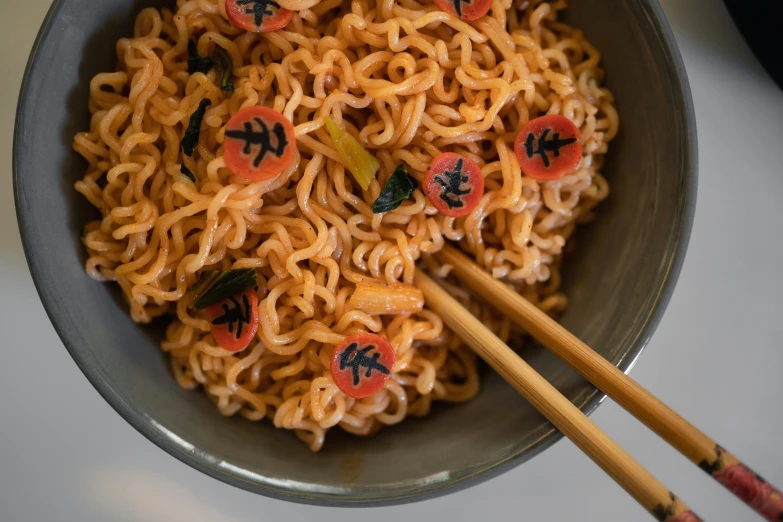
[[618, 282]]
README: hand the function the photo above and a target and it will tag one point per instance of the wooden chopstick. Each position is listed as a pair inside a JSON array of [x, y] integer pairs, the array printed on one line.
[[613, 459], [682, 435]]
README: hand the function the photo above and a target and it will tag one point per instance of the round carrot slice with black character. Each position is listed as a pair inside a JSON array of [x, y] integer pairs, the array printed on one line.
[[234, 320], [362, 363], [465, 10], [454, 184], [548, 147], [259, 143], [257, 16]]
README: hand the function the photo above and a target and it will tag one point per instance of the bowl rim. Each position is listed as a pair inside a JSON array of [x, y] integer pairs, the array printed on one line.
[[201, 461]]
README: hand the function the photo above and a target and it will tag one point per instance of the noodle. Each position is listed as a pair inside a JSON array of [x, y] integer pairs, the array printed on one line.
[[410, 82]]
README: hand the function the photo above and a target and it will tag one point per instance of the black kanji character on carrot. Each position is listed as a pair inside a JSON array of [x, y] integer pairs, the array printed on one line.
[[259, 144], [452, 181], [239, 314], [458, 6], [360, 361], [262, 138], [259, 9], [466, 10], [233, 320], [548, 147], [545, 146], [257, 16], [362, 364], [453, 184]]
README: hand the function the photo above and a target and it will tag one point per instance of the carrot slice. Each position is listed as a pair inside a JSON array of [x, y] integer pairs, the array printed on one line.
[[259, 143], [362, 363], [235, 320], [454, 184], [548, 147], [466, 10], [257, 16]]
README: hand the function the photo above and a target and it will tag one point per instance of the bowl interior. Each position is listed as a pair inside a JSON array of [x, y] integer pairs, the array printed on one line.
[[618, 280]]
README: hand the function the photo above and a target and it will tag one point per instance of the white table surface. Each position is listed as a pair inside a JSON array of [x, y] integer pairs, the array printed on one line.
[[65, 455]]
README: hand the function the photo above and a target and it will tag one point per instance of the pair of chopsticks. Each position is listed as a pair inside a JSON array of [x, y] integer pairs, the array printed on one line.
[[613, 459]]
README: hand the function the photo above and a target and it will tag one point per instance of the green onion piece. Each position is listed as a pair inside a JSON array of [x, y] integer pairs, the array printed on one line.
[[198, 63], [216, 285], [399, 188], [355, 158], [207, 280], [224, 70], [190, 139], [187, 172]]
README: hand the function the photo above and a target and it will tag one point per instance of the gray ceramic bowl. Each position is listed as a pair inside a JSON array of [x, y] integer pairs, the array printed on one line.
[[619, 281]]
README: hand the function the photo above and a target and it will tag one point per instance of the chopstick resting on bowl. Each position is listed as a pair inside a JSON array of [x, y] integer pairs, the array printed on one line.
[[610, 456], [686, 438]]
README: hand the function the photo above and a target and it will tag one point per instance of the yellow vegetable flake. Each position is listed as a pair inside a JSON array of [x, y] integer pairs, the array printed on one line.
[[354, 156], [380, 298]]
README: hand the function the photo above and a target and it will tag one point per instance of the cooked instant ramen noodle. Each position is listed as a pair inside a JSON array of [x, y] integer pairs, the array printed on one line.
[[270, 175]]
